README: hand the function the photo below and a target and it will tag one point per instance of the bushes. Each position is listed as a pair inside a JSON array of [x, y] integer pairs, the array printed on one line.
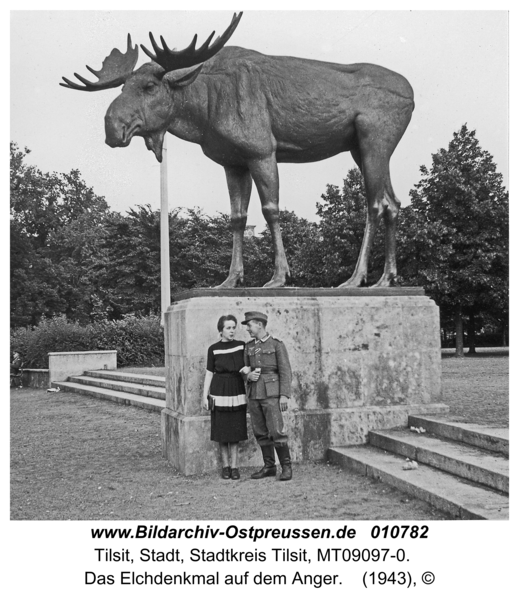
[[138, 341], [51, 335]]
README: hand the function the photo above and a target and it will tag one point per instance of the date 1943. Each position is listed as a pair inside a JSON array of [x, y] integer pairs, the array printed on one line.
[[401, 578]]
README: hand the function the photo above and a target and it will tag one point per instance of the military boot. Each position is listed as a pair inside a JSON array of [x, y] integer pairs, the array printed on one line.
[[286, 463], [269, 467]]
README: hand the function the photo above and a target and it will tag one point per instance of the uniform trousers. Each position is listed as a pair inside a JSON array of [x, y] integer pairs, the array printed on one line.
[[267, 422]]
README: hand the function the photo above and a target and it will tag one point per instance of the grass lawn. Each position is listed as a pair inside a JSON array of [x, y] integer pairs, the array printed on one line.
[[75, 457], [476, 387]]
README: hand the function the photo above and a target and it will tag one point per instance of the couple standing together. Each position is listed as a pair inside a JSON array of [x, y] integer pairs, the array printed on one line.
[[264, 365]]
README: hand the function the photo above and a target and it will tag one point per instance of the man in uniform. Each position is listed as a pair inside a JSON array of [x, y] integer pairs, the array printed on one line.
[[268, 382]]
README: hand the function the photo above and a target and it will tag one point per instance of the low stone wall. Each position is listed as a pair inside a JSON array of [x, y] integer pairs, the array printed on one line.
[[67, 364], [35, 378]]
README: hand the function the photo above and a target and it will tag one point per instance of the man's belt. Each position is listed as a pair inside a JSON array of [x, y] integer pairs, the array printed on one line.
[[268, 371]]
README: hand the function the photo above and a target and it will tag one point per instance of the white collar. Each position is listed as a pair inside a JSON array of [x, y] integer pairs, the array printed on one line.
[[263, 340]]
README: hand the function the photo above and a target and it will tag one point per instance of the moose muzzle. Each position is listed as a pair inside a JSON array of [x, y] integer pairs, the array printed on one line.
[[119, 127]]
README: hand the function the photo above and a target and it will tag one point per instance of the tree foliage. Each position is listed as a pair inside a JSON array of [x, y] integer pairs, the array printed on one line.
[[71, 256], [129, 270], [342, 214], [138, 341], [44, 203], [301, 240], [454, 236], [56, 224]]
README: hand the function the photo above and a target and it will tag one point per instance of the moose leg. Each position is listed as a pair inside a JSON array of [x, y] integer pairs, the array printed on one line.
[[391, 220], [239, 183], [265, 175], [375, 170]]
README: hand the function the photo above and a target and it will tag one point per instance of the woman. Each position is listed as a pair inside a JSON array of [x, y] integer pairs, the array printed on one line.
[[224, 385]]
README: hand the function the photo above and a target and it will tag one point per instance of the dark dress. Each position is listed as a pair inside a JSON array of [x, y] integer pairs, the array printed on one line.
[[228, 419]]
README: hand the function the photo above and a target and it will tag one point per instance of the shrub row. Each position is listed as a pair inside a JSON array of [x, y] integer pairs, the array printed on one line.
[[139, 341]]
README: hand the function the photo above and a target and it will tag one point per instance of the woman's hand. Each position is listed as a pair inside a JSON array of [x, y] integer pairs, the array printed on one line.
[[207, 387]]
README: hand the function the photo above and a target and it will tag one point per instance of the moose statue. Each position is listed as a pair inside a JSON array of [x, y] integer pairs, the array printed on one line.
[[249, 111]]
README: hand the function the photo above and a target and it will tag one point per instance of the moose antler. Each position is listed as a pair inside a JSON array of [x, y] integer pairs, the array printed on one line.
[[114, 72], [171, 60]]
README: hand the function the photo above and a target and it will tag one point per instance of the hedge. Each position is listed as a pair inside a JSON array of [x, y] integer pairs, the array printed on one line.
[[139, 341]]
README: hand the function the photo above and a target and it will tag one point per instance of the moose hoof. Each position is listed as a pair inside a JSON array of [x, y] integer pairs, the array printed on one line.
[[229, 283], [389, 281], [275, 283], [353, 282], [225, 285]]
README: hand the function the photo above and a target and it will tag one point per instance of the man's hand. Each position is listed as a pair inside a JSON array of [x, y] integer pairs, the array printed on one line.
[[205, 403], [283, 403], [253, 376]]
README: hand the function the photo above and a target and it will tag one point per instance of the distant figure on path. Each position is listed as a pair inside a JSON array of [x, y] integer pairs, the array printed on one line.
[[16, 370], [224, 395], [269, 380]]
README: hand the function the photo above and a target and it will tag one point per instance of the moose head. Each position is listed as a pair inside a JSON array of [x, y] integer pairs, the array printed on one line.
[[146, 105]]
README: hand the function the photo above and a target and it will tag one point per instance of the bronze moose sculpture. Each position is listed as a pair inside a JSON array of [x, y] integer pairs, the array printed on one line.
[[249, 111]]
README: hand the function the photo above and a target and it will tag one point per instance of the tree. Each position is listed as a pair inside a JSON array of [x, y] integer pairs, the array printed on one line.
[[301, 240], [56, 225], [454, 239], [42, 203], [342, 221], [129, 269], [33, 282]]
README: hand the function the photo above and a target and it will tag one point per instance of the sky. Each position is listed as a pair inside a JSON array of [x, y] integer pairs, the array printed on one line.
[[456, 62]]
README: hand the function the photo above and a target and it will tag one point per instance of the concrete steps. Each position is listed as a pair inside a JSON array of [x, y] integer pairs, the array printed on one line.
[[465, 480], [152, 380], [456, 458], [142, 391], [495, 439]]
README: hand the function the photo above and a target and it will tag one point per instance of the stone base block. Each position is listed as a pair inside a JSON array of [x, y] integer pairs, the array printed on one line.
[[186, 444], [361, 359]]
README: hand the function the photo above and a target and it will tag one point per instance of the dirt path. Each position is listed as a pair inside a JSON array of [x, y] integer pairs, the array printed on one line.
[[77, 458]]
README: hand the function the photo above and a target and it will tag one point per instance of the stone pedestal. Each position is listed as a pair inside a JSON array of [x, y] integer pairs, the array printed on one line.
[[361, 358]]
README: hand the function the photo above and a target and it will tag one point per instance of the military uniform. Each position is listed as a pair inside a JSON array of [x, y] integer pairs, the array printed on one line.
[[270, 355]]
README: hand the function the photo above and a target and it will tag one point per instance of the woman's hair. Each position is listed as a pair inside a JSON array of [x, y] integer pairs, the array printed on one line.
[[223, 318]]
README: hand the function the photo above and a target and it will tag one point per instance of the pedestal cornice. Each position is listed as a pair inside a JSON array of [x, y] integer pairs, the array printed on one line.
[[297, 292]]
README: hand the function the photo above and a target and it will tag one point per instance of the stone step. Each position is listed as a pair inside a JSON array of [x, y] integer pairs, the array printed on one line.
[[137, 378], [112, 395], [149, 391], [457, 497], [474, 464], [495, 439]]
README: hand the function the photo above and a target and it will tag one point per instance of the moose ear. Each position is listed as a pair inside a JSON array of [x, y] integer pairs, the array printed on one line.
[[185, 79]]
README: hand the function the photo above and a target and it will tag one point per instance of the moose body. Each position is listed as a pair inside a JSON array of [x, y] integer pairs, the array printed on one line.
[[250, 111]]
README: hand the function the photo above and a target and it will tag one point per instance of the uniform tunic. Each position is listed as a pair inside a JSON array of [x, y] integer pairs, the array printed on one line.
[[271, 356], [228, 419]]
